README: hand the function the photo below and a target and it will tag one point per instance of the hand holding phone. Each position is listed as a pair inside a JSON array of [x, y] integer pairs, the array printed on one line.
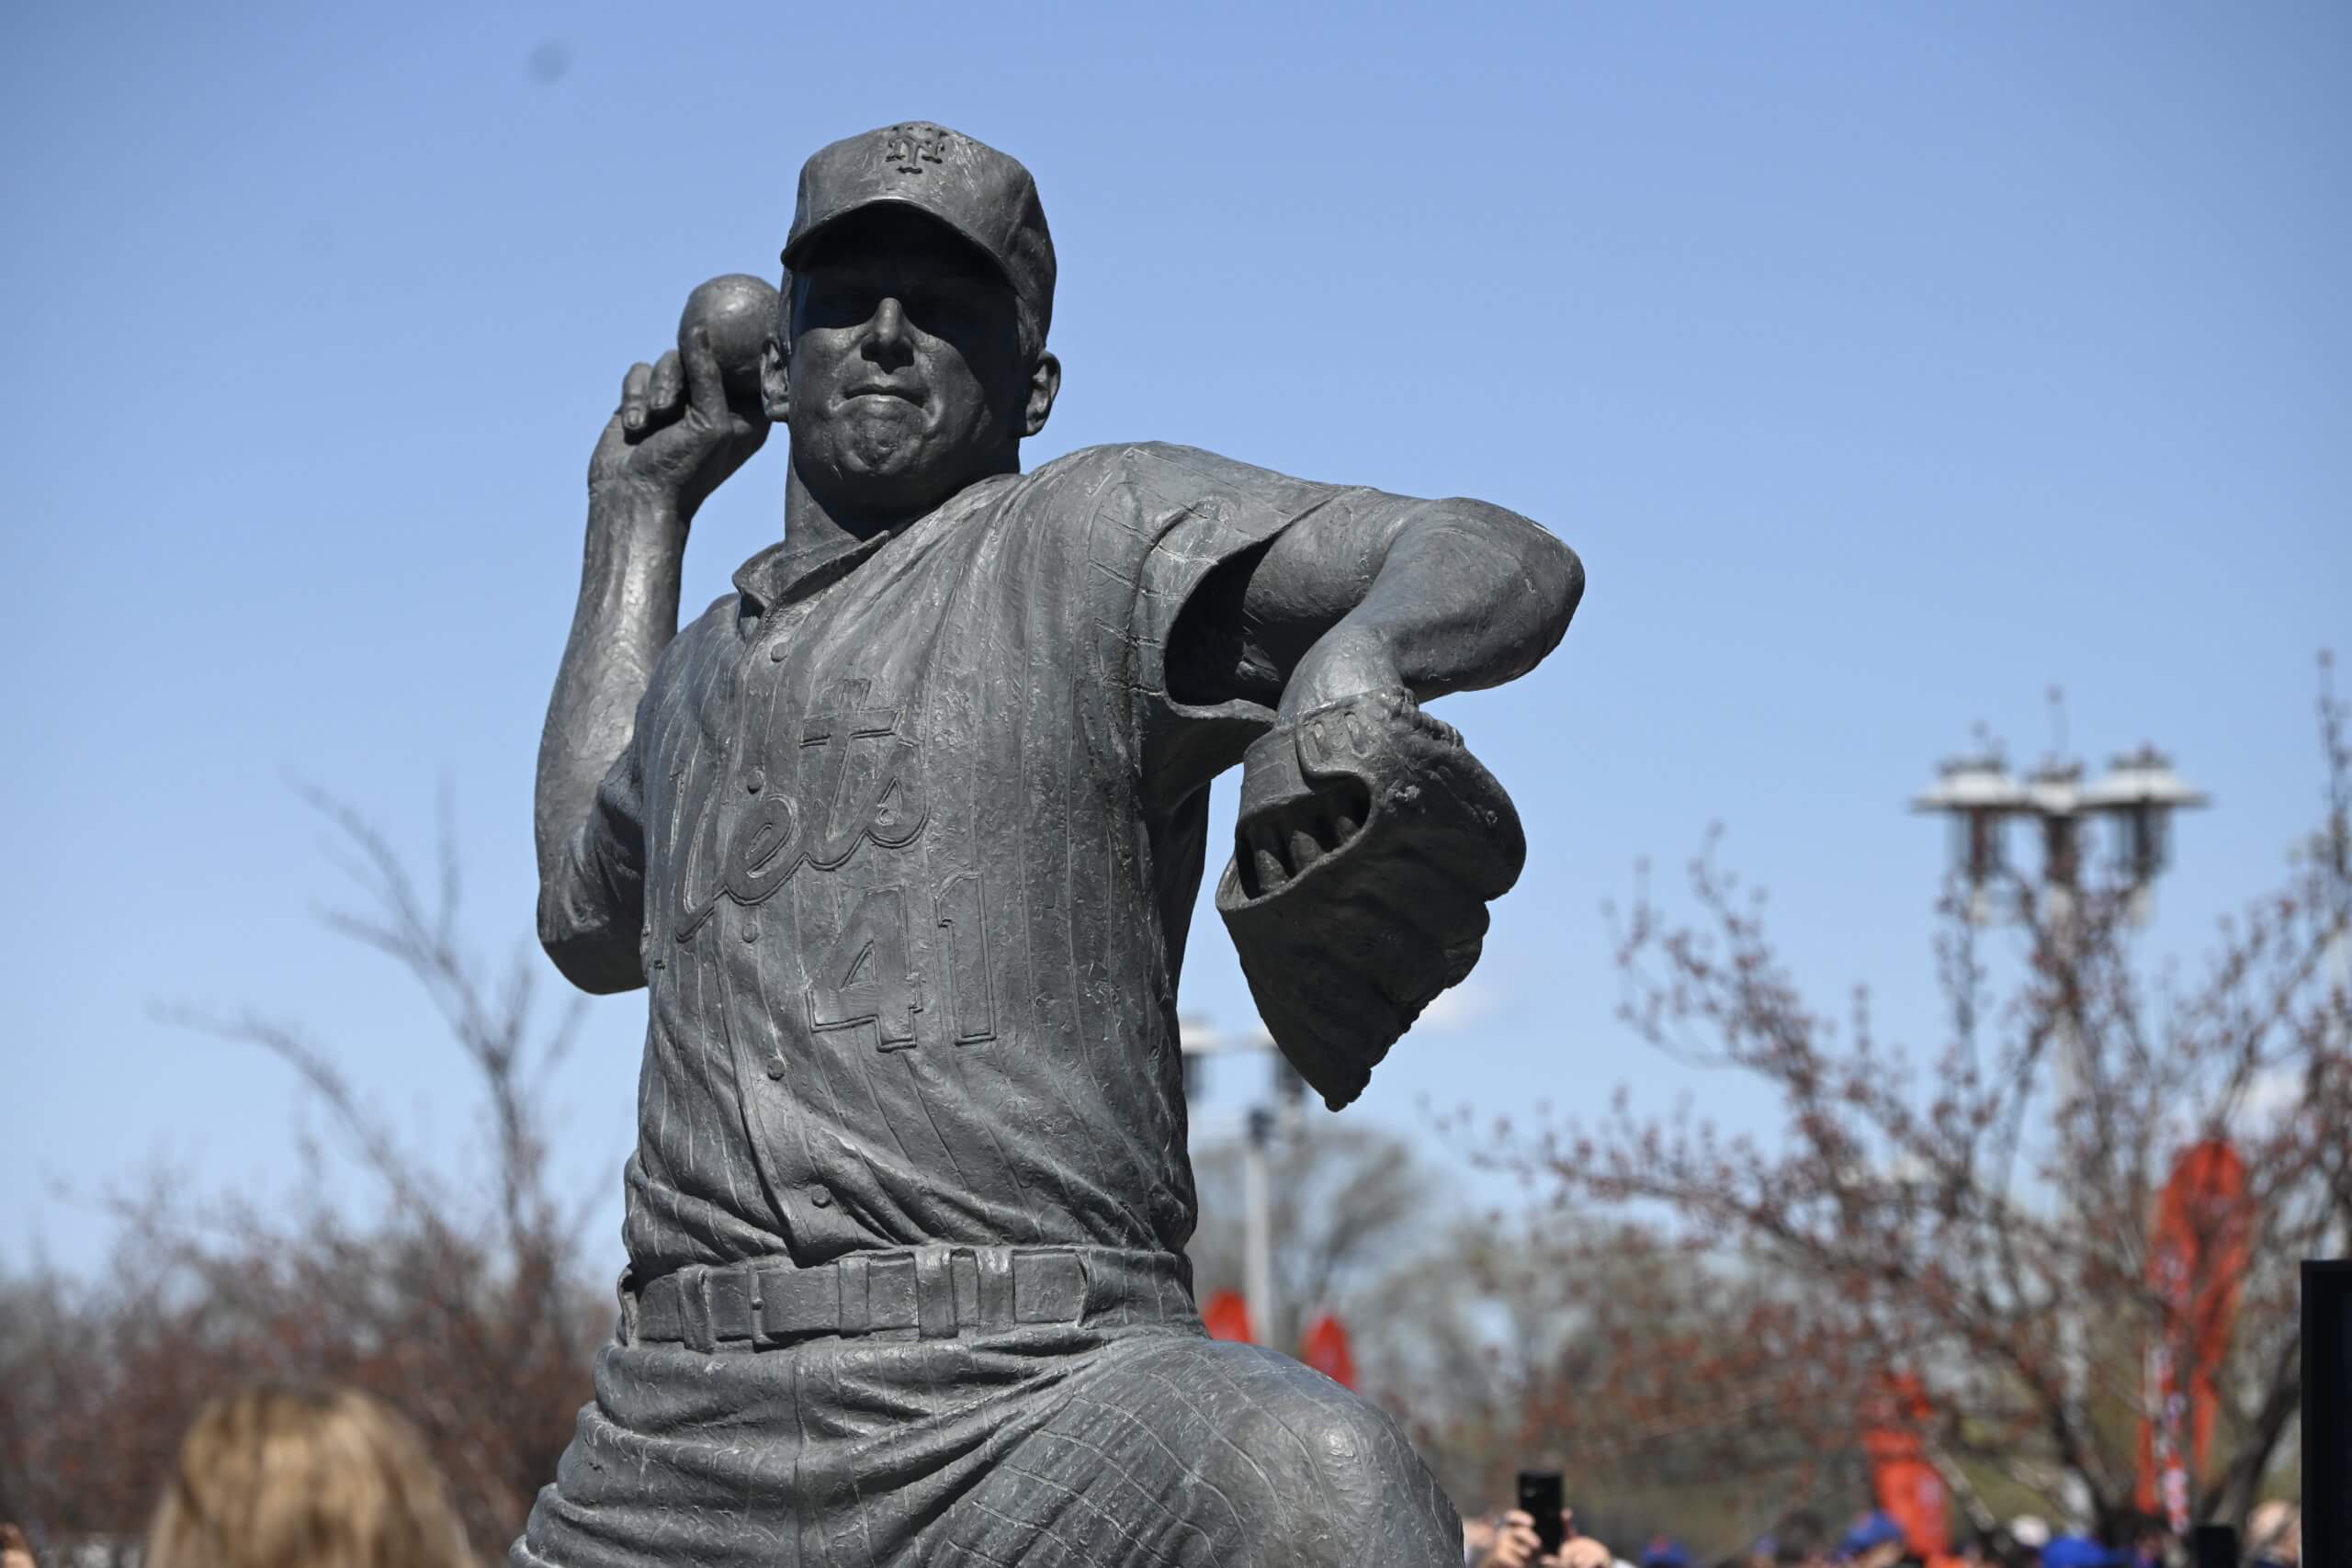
[[1543, 1499]]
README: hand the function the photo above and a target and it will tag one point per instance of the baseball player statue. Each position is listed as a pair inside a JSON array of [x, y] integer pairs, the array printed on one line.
[[902, 836]]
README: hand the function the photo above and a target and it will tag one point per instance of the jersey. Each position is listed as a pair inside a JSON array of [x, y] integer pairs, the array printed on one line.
[[912, 837]]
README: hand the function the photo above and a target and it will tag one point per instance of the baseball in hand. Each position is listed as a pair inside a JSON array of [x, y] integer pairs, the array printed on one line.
[[737, 311]]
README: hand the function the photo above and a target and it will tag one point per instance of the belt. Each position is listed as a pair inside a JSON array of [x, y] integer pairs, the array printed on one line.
[[941, 1291]]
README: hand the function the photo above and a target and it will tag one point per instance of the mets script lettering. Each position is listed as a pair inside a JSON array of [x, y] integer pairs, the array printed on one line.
[[858, 781]]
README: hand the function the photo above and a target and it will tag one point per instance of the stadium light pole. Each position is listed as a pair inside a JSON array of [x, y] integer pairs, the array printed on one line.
[[2137, 798], [1977, 793]]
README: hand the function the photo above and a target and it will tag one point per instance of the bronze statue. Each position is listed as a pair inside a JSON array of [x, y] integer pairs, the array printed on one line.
[[902, 837]]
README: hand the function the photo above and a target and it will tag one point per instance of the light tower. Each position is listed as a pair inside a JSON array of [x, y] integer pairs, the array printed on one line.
[[2137, 798]]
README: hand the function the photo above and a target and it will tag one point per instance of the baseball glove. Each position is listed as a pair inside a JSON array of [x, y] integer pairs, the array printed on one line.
[[1369, 845]]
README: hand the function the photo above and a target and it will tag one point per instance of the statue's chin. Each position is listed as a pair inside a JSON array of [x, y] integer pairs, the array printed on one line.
[[872, 466], [880, 455], [868, 478]]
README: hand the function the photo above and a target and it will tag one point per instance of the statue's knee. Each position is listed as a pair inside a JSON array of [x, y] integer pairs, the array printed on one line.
[[1345, 1486]]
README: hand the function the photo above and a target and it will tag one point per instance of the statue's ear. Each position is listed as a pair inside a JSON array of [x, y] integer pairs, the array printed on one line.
[[775, 383], [1045, 385]]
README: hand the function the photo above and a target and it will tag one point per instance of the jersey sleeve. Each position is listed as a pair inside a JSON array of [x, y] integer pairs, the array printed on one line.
[[591, 911], [1205, 511]]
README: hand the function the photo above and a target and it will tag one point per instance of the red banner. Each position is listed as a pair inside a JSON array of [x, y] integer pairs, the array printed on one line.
[[2196, 1261], [1226, 1317], [1327, 1351], [1907, 1484]]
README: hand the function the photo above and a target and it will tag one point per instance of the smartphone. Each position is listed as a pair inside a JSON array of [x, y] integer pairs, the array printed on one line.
[[1543, 1497]]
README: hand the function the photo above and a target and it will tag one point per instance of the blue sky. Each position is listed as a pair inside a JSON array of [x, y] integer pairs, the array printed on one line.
[[1885, 364]]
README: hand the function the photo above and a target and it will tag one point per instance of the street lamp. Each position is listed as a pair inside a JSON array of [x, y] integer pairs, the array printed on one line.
[[2139, 795], [2141, 792], [1977, 792]]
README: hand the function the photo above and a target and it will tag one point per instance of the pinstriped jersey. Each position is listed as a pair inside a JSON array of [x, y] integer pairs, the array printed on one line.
[[912, 837]]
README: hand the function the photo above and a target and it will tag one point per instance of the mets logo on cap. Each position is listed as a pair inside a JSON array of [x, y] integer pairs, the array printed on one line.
[[906, 147]]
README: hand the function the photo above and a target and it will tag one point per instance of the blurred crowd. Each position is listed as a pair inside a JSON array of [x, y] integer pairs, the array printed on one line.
[[1510, 1539]]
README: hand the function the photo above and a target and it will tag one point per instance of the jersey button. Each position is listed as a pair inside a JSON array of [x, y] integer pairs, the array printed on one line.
[[775, 652], [750, 931], [774, 1065], [820, 1198], [755, 781]]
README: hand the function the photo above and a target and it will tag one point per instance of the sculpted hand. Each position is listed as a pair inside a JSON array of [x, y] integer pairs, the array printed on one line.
[[675, 438]]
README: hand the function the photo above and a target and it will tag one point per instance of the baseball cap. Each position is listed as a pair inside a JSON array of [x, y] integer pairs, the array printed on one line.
[[984, 194], [1662, 1552], [2079, 1552]]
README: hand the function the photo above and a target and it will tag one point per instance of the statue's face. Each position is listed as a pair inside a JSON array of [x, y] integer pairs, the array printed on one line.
[[906, 374]]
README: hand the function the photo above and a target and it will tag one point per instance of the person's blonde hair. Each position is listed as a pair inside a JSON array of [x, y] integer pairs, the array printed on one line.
[[288, 1477]]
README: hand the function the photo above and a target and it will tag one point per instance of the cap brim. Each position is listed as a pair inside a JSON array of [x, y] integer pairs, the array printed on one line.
[[798, 248]]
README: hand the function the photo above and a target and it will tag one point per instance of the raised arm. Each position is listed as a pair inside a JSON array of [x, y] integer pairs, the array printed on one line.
[[671, 442]]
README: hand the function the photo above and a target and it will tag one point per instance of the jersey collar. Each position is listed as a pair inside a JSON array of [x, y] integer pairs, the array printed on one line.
[[780, 574]]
